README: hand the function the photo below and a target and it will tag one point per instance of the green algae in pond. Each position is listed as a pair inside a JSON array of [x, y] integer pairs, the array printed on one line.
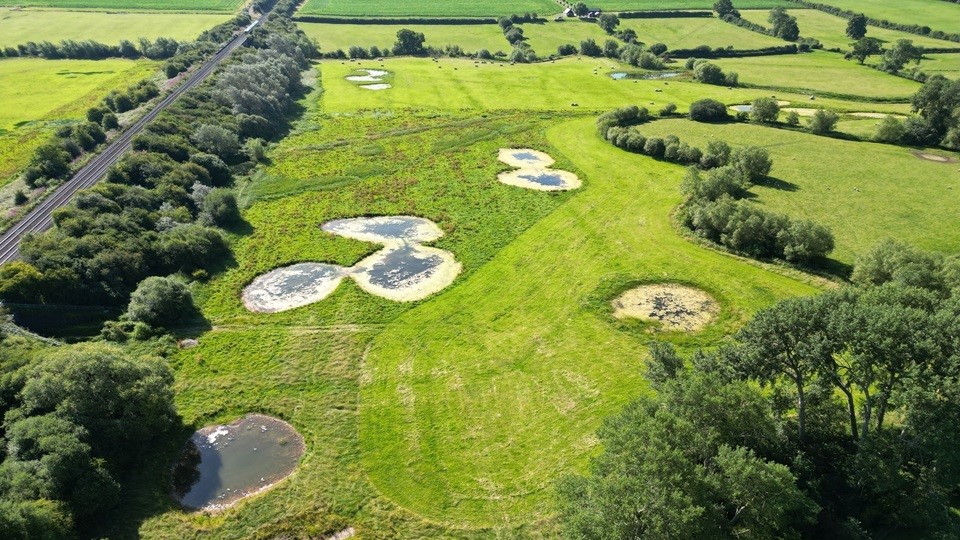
[[225, 463]]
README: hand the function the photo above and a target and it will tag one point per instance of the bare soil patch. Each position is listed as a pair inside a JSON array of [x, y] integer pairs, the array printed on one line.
[[936, 158], [676, 307]]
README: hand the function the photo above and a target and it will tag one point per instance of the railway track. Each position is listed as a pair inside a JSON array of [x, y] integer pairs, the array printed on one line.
[[41, 217]]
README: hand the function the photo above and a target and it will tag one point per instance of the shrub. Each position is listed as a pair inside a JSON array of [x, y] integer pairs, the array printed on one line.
[[160, 301], [891, 130], [918, 131], [20, 198], [567, 50], [220, 205], [717, 155], [793, 118], [752, 162], [589, 47], [624, 116], [822, 122], [668, 110], [708, 110], [654, 147], [764, 111]]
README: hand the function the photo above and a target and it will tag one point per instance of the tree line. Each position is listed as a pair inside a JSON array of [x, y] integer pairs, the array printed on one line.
[[160, 49], [830, 416]]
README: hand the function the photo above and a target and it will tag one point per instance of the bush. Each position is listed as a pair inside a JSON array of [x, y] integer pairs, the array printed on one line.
[[822, 122], [589, 47], [624, 116], [717, 155], [567, 50], [918, 131], [708, 110], [654, 147], [667, 110], [159, 302], [752, 162], [891, 131], [793, 118], [20, 198], [110, 121], [764, 111], [220, 205]]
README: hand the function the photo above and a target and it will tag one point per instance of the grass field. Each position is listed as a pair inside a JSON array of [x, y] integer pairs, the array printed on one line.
[[947, 65], [37, 93], [428, 8], [644, 5], [546, 37], [819, 72], [861, 200], [424, 432], [460, 84], [21, 26], [831, 30], [471, 37], [689, 33], [131, 5], [936, 14]]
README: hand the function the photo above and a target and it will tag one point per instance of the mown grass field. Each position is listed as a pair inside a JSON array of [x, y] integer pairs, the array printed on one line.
[[689, 33], [524, 327], [36, 94], [471, 37], [831, 30], [936, 14], [646, 5], [546, 37], [452, 84], [21, 26], [863, 191], [428, 8], [947, 65], [819, 72], [131, 5]]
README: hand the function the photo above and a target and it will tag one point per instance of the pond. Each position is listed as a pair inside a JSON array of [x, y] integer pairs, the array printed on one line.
[[225, 463], [406, 272], [291, 287], [385, 229], [372, 76], [621, 75]]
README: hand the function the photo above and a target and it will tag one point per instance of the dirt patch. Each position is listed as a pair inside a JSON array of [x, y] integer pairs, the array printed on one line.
[[801, 111], [675, 307], [936, 158]]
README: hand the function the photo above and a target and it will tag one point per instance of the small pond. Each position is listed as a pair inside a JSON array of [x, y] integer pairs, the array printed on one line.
[[385, 229], [544, 178], [742, 108], [407, 272], [291, 287], [225, 463], [375, 87], [524, 158], [621, 75], [372, 76]]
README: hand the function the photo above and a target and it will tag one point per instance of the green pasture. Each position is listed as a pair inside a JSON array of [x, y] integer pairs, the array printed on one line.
[[831, 30], [647, 5], [936, 14], [453, 84], [947, 64], [131, 5], [453, 416], [428, 8], [863, 191], [546, 37], [819, 71], [471, 37], [690, 33], [21, 26]]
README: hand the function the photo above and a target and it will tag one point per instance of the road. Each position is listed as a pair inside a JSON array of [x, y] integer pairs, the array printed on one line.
[[41, 217]]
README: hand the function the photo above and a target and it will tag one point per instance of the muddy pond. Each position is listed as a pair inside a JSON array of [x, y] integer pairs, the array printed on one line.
[[223, 464]]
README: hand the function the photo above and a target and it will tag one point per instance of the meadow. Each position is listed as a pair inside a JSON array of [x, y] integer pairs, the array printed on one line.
[[546, 37], [131, 5], [689, 33], [831, 30], [947, 64], [646, 5], [933, 13], [453, 84], [427, 8], [819, 71], [471, 37], [21, 26], [829, 181]]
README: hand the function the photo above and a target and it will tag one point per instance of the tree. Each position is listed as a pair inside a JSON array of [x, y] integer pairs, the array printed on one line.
[[822, 122], [160, 301], [408, 43], [753, 163], [864, 48], [764, 111], [784, 25], [608, 22], [580, 9], [611, 49], [216, 140], [717, 154], [567, 49], [857, 26], [902, 53], [724, 8], [939, 103], [220, 205], [589, 47], [709, 73]]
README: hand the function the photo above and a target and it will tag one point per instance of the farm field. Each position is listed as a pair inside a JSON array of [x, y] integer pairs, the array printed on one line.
[[819, 72], [21, 26], [689, 33], [427, 8], [861, 200], [131, 5], [831, 30], [39, 93], [471, 37], [933, 13], [546, 37], [947, 64], [646, 5], [457, 84]]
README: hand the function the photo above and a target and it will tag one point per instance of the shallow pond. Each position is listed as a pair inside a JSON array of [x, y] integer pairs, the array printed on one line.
[[291, 287], [375, 87], [373, 75], [524, 158], [407, 272], [225, 463], [385, 229], [620, 75], [742, 108]]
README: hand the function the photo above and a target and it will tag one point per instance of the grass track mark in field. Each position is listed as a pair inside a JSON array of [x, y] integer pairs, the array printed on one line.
[[21, 26]]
